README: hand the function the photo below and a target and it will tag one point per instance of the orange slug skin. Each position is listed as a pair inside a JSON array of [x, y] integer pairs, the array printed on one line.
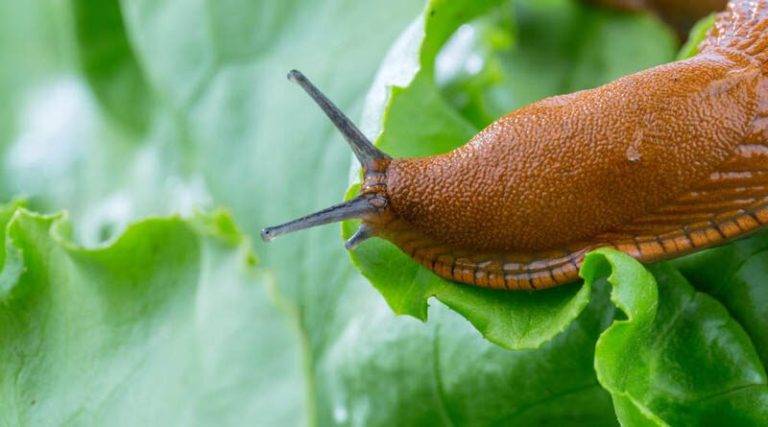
[[657, 164]]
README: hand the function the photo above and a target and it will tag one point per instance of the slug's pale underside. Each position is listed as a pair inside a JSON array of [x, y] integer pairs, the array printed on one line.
[[657, 164]]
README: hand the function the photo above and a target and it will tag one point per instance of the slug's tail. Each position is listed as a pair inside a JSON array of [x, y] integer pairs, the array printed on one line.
[[743, 28], [368, 204]]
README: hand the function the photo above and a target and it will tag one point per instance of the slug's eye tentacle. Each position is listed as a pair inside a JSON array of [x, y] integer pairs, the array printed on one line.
[[362, 234], [358, 207], [364, 150], [365, 205]]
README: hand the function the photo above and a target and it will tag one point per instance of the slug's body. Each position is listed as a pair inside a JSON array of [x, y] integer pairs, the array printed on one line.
[[656, 164]]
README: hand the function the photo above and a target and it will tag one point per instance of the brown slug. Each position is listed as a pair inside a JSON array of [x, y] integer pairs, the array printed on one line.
[[657, 164]]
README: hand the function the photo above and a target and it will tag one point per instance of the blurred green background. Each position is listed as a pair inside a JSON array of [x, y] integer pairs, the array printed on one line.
[[119, 110]]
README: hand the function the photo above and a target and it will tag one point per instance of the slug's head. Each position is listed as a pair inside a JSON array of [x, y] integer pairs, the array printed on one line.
[[372, 205]]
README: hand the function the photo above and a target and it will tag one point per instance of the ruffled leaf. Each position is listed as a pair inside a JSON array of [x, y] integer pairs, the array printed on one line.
[[678, 358], [161, 326]]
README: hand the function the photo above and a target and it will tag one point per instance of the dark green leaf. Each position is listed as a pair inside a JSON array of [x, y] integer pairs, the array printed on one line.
[[678, 358], [737, 276]]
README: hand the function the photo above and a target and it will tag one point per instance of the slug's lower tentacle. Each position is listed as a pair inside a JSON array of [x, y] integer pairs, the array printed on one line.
[[359, 207]]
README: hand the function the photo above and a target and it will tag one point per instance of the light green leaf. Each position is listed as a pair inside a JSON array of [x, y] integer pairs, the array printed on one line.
[[224, 127], [69, 143], [162, 326]]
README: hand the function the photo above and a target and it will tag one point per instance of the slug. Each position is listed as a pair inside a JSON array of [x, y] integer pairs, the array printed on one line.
[[657, 164]]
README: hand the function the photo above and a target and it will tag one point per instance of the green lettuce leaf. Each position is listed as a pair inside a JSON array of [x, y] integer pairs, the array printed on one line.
[[120, 110], [161, 326], [678, 358], [260, 144], [385, 370], [736, 276]]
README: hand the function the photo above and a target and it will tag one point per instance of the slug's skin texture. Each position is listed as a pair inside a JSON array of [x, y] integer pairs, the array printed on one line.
[[567, 168], [656, 164]]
